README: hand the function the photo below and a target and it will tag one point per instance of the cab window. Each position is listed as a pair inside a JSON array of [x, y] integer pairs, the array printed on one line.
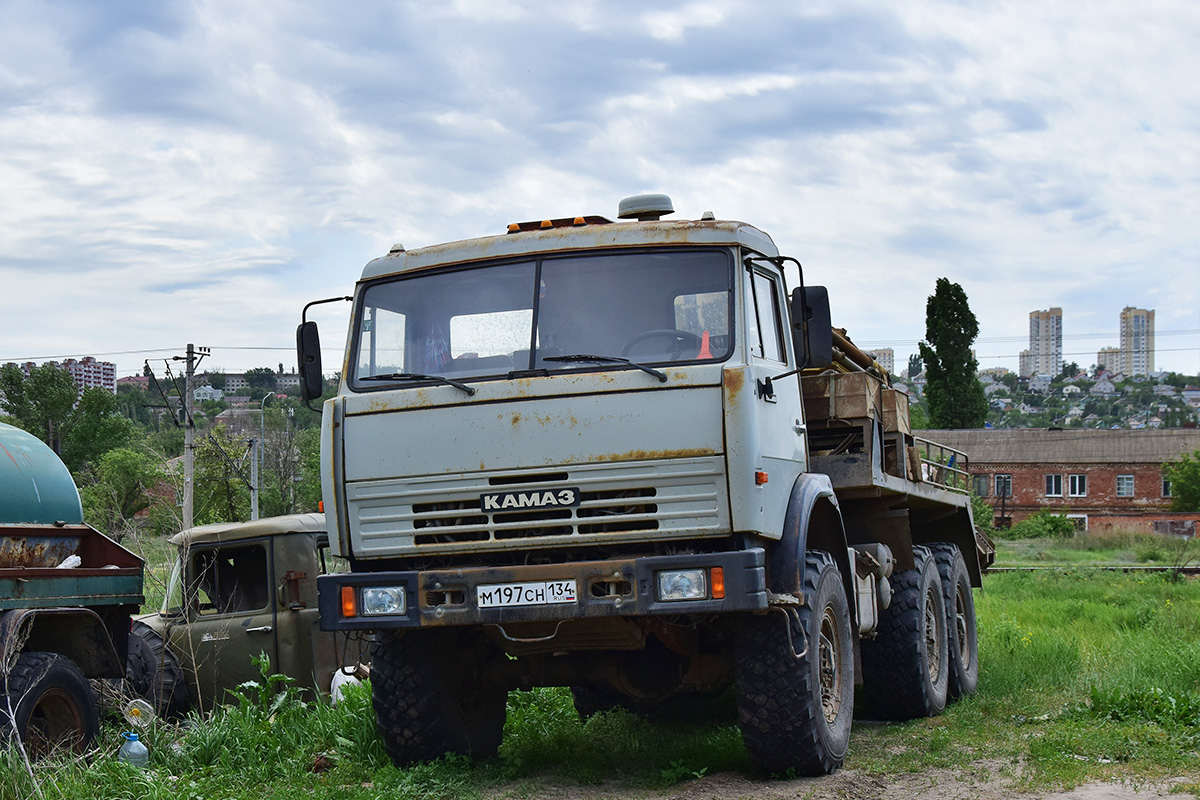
[[229, 580]]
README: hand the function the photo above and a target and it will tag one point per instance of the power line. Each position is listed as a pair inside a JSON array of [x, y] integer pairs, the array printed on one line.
[[870, 344]]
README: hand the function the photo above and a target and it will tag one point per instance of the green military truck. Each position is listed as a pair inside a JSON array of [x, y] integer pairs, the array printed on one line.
[[634, 458], [67, 593], [238, 590]]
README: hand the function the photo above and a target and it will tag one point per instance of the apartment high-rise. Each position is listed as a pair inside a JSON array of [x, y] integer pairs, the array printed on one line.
[[1137, 340], [1045, 343], [886, 357], [1110, 358]]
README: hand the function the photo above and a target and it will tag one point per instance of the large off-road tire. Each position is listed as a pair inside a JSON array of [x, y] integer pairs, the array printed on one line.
[[53, 704], [432, 696], [153, 673], [795, 677], [960, 619], [906, 666]]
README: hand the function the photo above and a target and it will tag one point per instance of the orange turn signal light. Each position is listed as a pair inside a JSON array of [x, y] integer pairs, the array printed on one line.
[[760, 478], [716, 580], [349, 602]]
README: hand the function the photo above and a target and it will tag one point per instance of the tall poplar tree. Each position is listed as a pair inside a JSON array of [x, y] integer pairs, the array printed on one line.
[[954, 393]]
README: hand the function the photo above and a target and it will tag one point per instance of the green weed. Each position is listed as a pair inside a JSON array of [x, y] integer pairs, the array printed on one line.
[[1085, 675]]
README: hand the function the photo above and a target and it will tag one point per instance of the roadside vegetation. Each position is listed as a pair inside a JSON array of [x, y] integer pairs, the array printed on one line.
[[1085, 675]]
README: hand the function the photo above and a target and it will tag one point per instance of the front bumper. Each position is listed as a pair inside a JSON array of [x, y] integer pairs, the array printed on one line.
[[610, 588]]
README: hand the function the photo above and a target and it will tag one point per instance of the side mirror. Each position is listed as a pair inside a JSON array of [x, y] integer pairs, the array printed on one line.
[[308, 358], [812, 327]]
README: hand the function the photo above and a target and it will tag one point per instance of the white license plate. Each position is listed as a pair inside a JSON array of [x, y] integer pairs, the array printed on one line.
[[535, 593]]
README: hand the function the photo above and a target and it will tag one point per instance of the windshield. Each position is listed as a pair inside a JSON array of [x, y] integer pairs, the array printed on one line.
[[173, 601], [663, 307]]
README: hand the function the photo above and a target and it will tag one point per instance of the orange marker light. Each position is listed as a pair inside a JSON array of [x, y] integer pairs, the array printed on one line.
[[716, 579], [547, 223], [349, 602], [760, 478], [320, 506]]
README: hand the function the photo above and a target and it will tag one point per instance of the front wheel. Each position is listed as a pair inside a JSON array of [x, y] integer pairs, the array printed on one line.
[[431, 696], [53, 704], [795, 677], [906, 667], [153, 673]]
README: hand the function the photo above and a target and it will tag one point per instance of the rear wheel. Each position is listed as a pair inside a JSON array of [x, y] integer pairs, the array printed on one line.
[[53, 704], [906, 666], [154, 674], [795, 677], [431, 696], [960, 618]]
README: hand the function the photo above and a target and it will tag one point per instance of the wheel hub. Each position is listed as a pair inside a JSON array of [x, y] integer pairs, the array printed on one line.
[[933, 643], [828, 661]]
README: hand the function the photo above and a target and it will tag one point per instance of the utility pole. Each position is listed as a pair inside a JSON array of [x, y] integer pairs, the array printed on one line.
[[255, 444], [194, 356]]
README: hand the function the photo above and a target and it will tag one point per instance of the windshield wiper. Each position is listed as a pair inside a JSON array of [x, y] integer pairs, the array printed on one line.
[[417, 376], [577, 357]]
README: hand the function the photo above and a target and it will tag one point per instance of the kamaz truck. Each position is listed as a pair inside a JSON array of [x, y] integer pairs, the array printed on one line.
[[634, 458]]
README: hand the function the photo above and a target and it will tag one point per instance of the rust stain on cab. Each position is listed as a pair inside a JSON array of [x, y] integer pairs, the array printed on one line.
[[652, 455], [733, 379]]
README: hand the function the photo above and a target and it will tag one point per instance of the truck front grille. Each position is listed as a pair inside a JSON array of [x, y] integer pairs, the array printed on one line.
[[628, 501]]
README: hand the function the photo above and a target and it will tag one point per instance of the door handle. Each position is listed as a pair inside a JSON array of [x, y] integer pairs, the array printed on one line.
[[260, 629]]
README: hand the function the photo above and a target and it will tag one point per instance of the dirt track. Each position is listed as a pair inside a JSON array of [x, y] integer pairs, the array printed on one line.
[[983, 781]]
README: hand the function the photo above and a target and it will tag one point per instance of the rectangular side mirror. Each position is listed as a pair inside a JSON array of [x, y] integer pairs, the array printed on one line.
[[308, 359], [812, 327]]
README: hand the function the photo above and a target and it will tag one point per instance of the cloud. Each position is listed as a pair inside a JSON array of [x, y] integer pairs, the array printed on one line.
[[188, 172]]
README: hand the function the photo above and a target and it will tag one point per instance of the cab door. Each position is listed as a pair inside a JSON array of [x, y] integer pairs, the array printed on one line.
[[231, 617], [779, 412]]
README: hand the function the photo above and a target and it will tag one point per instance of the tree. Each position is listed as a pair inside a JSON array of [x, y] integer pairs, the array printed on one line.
[[95, 427], [954, 394], [42, 403], [214, 378], [1184, 476], [914, 366], [261, 378], [117, 487]]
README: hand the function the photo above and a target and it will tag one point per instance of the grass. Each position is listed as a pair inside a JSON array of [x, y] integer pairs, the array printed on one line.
[[1085, 675], [1118, 548]]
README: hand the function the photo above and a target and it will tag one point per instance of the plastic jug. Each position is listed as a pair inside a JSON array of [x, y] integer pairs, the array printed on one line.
[[133, 752]]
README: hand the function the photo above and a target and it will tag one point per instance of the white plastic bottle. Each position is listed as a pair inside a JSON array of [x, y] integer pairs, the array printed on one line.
[[133, 752]]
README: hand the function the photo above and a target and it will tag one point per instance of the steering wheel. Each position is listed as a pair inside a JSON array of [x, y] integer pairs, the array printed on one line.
[[683, 340]]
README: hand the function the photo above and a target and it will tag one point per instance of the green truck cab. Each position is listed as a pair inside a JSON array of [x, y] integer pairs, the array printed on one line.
[[237, 591]]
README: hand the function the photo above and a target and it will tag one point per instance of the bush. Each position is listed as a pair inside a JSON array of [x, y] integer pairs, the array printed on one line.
[[1042, 525]]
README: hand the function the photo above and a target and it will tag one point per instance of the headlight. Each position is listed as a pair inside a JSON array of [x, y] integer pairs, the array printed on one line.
[[682, 584], [383, 600]]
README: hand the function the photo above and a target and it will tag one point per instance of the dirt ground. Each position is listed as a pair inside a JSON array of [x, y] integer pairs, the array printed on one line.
[[983, 781]]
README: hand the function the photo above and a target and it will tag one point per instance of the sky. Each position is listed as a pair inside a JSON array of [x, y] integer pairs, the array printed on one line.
[[175, 172]]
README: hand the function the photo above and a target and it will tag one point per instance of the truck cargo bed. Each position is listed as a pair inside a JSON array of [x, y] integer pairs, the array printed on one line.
[[108, 574]]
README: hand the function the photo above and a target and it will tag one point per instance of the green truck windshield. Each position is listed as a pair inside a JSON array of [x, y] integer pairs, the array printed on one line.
[[659, 307]]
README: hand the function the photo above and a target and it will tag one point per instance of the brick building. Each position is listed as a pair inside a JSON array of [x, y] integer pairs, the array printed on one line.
[[1102, 479]]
